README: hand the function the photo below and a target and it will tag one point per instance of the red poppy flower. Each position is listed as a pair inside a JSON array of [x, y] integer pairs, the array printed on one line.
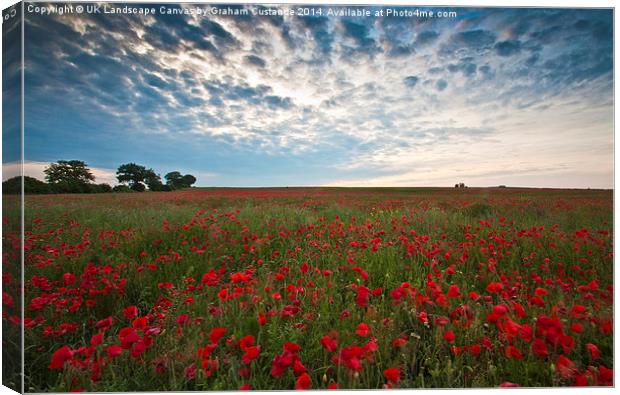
[[363, 330], [304, 382], [140, 323], [62, 355], [392, 375], [593, 350], [486, 343], [540, 292], [605, 376], [216, 334], [114, 351], [474, 349], [579, 311], [69, 278], [209, 367], [138, 349], [539, 348], [567, 344], [104, 324], [330, 344], [449, 336], [190, 372], [513, 352], [454, 291], [130, 312], [500, 310], [576, 327], [566, 367], [399, 342], [508, 384], [206, 351], [96, 339], [245, 342], [291, 347], [494, 288], [182, 319], [581, 380], [128, 336], [251, 353], [519, 310], [298, 368], [361, 298]]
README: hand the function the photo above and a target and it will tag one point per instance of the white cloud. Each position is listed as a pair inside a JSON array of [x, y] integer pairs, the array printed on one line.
[[353, 109]]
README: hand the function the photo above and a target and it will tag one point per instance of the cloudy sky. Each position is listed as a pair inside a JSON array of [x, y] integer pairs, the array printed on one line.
[[521, 97]]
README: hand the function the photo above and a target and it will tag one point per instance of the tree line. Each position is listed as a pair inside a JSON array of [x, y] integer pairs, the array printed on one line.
[[74, 176]]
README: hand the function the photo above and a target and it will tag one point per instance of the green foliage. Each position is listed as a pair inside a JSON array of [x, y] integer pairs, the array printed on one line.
[[122, 188], [69, 176], [100, 188], [138, 177], [188, 180], [32, 186], [175, 180], [153, 181]]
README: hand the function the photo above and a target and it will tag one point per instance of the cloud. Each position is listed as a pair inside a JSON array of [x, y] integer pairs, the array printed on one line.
[[465, 66], [310, 95], [441, 84], [426, 37], [255, 60], [508, 47], [360, 33], [478, 38], [411, 81]]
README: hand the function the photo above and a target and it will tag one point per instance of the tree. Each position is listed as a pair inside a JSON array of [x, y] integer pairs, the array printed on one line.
[[188, 180], [175, 180], [13, 186], [69, 176], [137, 176], [132, 174], [153, 180]]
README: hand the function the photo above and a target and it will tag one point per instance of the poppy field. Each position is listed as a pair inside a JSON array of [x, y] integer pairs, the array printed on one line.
[[313, 288]]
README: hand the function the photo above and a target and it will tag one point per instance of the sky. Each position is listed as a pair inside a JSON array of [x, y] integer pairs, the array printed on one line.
[[519, 97]]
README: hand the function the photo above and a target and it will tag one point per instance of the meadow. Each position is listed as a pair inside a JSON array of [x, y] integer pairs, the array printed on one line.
[[314, 288]]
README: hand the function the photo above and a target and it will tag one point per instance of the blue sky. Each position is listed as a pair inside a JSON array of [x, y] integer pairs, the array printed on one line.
[[521, 97]]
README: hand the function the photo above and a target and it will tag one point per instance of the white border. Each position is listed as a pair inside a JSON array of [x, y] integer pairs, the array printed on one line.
[[456, 3]]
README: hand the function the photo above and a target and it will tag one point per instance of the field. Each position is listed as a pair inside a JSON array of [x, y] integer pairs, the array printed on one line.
[[293, 288]]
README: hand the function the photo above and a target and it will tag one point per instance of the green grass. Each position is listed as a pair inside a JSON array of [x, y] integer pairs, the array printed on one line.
[[425, 234]]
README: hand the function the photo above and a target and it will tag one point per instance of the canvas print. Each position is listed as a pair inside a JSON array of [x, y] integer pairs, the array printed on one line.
[[211, 197]]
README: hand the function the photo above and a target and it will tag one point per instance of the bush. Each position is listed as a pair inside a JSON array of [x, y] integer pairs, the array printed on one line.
[[138, 187], [69, 187], [32, 186], [122, 189], [100, 188]]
